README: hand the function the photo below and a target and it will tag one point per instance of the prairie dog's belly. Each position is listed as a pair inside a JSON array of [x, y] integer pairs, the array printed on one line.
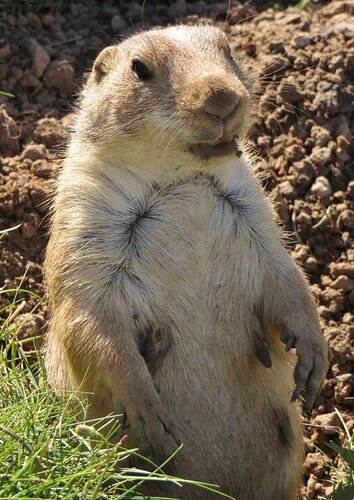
[[177, 258]]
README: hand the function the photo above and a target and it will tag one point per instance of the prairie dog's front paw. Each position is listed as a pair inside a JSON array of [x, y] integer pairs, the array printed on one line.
[[155, 431], [312, 362]]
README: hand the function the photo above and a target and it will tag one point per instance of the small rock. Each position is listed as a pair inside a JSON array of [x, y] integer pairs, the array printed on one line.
[[294, 153], [304, 219], [314, 464], [50, 132], [38, 197], [40, 58], [338, 268], [118, 23], [350, 188], [48, 20], [324, 312], [302, 41], [343, 283], [34, 152], [304, 167], [9, 133], [277, 47], [291, 19], [250, 49], [336, 62], [321, 135], [27, 230], [5, 49], [337, 7], [29, 325], [321, 156], [287, 190], [346, 219], [311, 265], [60, 75], [346, 28], [41, 168], [343, 145], [289, 91], [348, 319], [29, 80], [326, 280], [329, 422], [321, 188]]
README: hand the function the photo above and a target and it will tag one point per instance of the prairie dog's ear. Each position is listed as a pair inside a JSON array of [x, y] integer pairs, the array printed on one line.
[[105, 62]]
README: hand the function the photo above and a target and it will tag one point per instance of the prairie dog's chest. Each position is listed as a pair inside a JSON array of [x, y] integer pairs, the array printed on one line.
[[184, 237], [182, 222]]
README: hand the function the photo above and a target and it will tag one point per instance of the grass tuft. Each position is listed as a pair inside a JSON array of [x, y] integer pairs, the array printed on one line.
[[343, 474]]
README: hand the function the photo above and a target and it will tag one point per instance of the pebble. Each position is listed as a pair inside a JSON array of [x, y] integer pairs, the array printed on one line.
[[343, 283], [48, 20], [40, 58], [321, 187], [346, 219], [289, 91], [287, 190], [277, 47], [338, 268], [27, 230], [29, 80], [34, 152], [347, 29], [9, 133], [49, 131], [328, 422], [302, 41], [60, 75], [320, 156], [348, 319], [5, 49], [321, 135], [41, 168]]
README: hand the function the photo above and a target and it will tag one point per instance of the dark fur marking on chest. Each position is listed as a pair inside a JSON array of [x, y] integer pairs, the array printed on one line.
[[283, 430], [154, 344], [136, 230], [229, 199]]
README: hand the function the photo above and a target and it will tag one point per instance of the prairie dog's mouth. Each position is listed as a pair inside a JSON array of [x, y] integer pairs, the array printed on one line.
[[225, 146]]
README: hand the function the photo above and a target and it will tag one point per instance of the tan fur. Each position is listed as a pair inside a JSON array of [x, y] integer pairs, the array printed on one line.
[[171, 292]]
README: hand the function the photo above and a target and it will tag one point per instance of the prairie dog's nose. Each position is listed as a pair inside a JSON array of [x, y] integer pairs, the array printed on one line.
[[221, 102]]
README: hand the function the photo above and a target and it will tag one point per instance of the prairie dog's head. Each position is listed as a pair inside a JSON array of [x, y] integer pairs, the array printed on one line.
[[166, 98]]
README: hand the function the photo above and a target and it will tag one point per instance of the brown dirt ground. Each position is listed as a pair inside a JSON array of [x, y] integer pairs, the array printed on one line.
[[303, 130]]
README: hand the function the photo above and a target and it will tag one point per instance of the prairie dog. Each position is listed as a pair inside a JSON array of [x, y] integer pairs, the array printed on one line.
[[172, 295]]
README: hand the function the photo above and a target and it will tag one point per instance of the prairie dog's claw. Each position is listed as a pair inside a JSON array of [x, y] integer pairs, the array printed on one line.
[[311, 366]]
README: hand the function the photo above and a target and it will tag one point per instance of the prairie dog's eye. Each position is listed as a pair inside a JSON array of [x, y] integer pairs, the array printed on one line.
[[140, 69]]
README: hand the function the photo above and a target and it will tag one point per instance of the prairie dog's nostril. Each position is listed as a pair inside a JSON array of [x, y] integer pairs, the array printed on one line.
[[221, 103]]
